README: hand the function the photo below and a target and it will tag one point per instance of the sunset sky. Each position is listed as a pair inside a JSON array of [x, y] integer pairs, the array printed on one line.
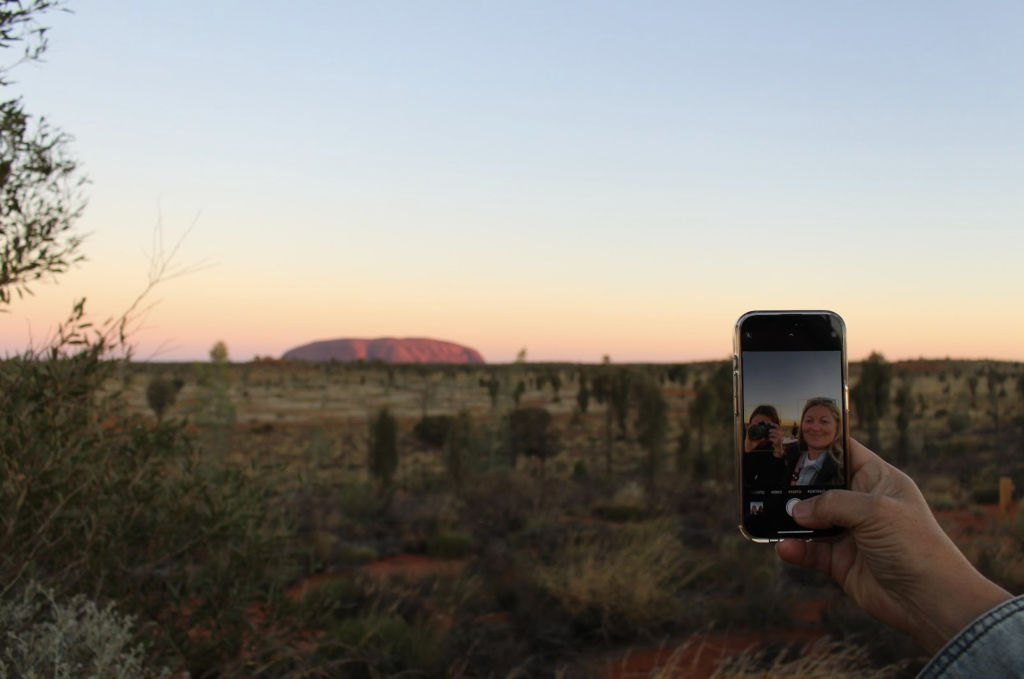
[[575, 178]]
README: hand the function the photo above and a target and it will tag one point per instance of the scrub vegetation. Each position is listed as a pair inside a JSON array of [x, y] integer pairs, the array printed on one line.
[[328, 524], [283, 519]]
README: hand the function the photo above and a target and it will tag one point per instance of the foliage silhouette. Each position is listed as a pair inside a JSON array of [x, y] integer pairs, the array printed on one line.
[[870, 396], [40, 185]]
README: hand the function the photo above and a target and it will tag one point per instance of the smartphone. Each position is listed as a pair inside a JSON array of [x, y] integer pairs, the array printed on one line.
[[791, 413]]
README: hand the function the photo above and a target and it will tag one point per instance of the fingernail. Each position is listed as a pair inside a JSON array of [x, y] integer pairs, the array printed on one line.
[[802, 509]]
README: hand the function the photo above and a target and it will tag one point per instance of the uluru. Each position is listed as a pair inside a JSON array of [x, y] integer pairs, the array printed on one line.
[[387, 349]]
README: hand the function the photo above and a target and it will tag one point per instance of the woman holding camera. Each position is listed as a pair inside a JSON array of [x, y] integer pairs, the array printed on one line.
[[763, 445]]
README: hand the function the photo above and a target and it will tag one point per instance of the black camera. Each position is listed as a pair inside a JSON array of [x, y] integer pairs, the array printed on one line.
[[759, 431]]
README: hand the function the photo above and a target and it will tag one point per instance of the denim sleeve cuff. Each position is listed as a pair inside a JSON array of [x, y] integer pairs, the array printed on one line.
[[992, 647]]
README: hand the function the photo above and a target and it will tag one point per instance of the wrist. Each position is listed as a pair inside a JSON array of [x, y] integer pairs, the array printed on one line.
[[968, 597]]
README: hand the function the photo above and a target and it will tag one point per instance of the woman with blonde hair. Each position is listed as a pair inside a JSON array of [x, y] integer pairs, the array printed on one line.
[[817, 459]]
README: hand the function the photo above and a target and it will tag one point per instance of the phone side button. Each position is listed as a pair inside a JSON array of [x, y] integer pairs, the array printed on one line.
[[735, 390]]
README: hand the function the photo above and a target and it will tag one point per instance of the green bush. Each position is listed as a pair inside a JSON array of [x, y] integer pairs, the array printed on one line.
[[380, 644], [940, 501], [985, 485], [97, 499], [383, 456], [959, 421], [447, 543], [619, 513], [161, 394], [622, 582], [530, 434], [44, 637], [325, 602], [357, 555], [357, 501], [432, 430], [460, 444]]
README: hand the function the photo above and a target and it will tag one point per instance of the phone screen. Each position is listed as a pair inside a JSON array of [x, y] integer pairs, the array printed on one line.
[[792, 421]]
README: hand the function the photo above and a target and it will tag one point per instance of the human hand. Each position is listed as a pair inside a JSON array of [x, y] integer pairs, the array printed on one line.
[[774, 436], [894, 560]]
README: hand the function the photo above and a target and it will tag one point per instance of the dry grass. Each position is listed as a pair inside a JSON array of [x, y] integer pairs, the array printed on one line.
[[626, 578], [823, 659]]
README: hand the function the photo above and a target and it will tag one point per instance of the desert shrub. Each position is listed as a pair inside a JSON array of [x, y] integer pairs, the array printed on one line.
[[460, 446], [447, 543], [379, 644], [620, 582], [941, 501], [579, 470], [821, 660], [619, 512], [46, 637], [432, 430], [530, 434], [942, 492], [357, 500], [317, 444], [959, 421], [498, 503], [213, 410], [747, 582], [583, 395], [876, 642], [99, 500], [161, 394], [383, 457], [356, 555], [629, 503], [985, 485], [327, 601], [651, 426]]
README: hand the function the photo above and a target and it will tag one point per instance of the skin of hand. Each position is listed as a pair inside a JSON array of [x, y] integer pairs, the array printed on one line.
[[894, 560]]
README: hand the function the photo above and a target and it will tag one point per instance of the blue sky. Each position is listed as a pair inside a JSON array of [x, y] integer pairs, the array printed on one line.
[[579, 179], [787, 379]]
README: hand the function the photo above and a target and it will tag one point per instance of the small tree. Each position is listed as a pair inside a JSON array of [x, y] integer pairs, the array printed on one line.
[[612, 387], [996, 391], [383, 457], [556, 385], [161, 394], [517, 394], [710, 413], [213, 410], [458, 446], [870, 395], [433, 430], [619, 389], [493, 390], [904, 415], [678, 373], [529, 434], [583, 395], [683, 445], [40, 188], [972, 385], [651, 427]]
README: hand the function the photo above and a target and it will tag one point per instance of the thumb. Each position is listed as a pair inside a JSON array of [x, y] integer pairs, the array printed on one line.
[[844, 508]]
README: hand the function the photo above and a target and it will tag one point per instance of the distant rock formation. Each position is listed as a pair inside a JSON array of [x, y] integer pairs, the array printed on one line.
[[387, 349]]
